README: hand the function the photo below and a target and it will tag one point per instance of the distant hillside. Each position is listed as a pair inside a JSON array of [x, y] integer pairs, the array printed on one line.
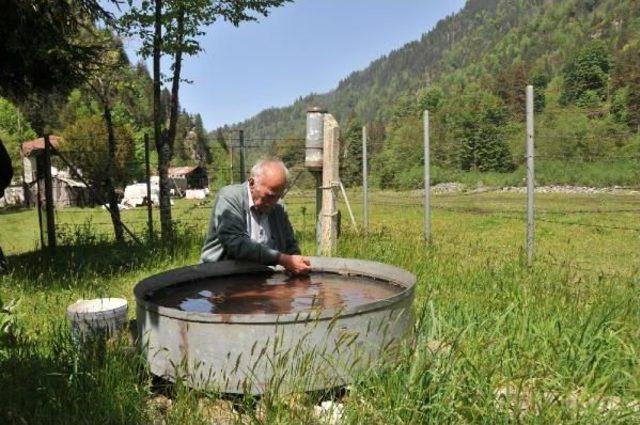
[[506, 30], [578, 53], [369, 92]]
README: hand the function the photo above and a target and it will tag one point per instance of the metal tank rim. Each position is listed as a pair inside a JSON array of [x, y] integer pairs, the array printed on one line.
[[345, 266]]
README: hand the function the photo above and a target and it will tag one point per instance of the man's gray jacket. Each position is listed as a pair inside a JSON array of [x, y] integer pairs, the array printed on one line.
[[228, 237]]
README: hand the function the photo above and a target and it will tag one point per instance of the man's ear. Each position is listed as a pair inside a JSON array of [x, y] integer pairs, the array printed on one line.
[[251, 181]]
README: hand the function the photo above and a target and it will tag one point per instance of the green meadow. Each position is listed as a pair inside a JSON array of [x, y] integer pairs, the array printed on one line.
[[494, 341]]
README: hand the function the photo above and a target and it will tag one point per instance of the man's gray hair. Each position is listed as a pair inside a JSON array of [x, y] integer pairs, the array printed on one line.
[[258, 168]]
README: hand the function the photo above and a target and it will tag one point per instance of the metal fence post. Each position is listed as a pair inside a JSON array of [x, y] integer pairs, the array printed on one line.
[[365, 183], [427, 180], [48, 194], [148, 172], [530, 177], [243, 170]]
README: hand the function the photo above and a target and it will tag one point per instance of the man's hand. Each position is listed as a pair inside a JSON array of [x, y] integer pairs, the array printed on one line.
[[295, 264]]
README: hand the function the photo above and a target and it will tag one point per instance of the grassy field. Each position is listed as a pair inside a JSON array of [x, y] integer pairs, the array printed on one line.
[[494, 341], [549, 171]]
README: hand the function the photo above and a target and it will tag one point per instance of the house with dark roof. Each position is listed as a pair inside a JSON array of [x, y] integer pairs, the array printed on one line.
[[189, 177]]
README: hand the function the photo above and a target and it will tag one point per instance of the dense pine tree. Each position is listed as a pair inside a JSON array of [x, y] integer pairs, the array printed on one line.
[[351, 153]]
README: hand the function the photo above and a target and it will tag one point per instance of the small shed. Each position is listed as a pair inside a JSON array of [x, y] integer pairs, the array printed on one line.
[[67, 192], [193, 176]]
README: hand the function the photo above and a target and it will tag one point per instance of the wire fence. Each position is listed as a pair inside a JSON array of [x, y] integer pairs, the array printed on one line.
[[605, 216], [587, 229]]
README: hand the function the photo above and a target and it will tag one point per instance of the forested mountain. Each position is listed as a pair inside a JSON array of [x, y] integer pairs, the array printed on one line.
[[471, 69], [369, 93]]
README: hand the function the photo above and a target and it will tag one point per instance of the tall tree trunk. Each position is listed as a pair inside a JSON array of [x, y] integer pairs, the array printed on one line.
[[170, 134], [111, 192], [164, 154], [164, 159], [177, 68]]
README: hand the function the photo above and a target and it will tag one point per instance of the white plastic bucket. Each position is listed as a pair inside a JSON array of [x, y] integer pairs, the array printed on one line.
[[100, 316]]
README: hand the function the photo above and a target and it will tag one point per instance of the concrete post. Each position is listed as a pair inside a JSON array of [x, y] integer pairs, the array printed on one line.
[[530, 177], [365, 183], [427, 180], [330, 184]]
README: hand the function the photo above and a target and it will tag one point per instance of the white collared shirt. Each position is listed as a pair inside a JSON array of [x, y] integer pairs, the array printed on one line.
[[258, 224]]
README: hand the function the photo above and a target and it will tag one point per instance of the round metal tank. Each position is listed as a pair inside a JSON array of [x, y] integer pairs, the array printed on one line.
[[256, 353]]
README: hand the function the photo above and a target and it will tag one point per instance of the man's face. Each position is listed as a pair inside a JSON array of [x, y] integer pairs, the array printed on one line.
[[267, 188]]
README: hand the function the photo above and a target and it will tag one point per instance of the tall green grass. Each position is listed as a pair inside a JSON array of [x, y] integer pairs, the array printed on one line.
[[557, 344], [494, 341]]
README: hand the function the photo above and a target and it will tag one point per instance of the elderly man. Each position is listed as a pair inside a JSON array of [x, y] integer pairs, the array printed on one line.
[[247, 223]]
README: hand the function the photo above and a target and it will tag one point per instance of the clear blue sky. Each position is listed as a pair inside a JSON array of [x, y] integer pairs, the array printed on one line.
[[303, 47]]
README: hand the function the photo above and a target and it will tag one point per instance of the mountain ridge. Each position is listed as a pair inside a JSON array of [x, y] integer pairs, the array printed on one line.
[[378, 76], [471, 70]]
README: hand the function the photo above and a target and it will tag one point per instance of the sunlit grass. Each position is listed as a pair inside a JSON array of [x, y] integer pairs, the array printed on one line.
[[495, 341]]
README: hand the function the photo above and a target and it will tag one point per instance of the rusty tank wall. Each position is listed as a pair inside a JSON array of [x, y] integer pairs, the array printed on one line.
[[254, 353]]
